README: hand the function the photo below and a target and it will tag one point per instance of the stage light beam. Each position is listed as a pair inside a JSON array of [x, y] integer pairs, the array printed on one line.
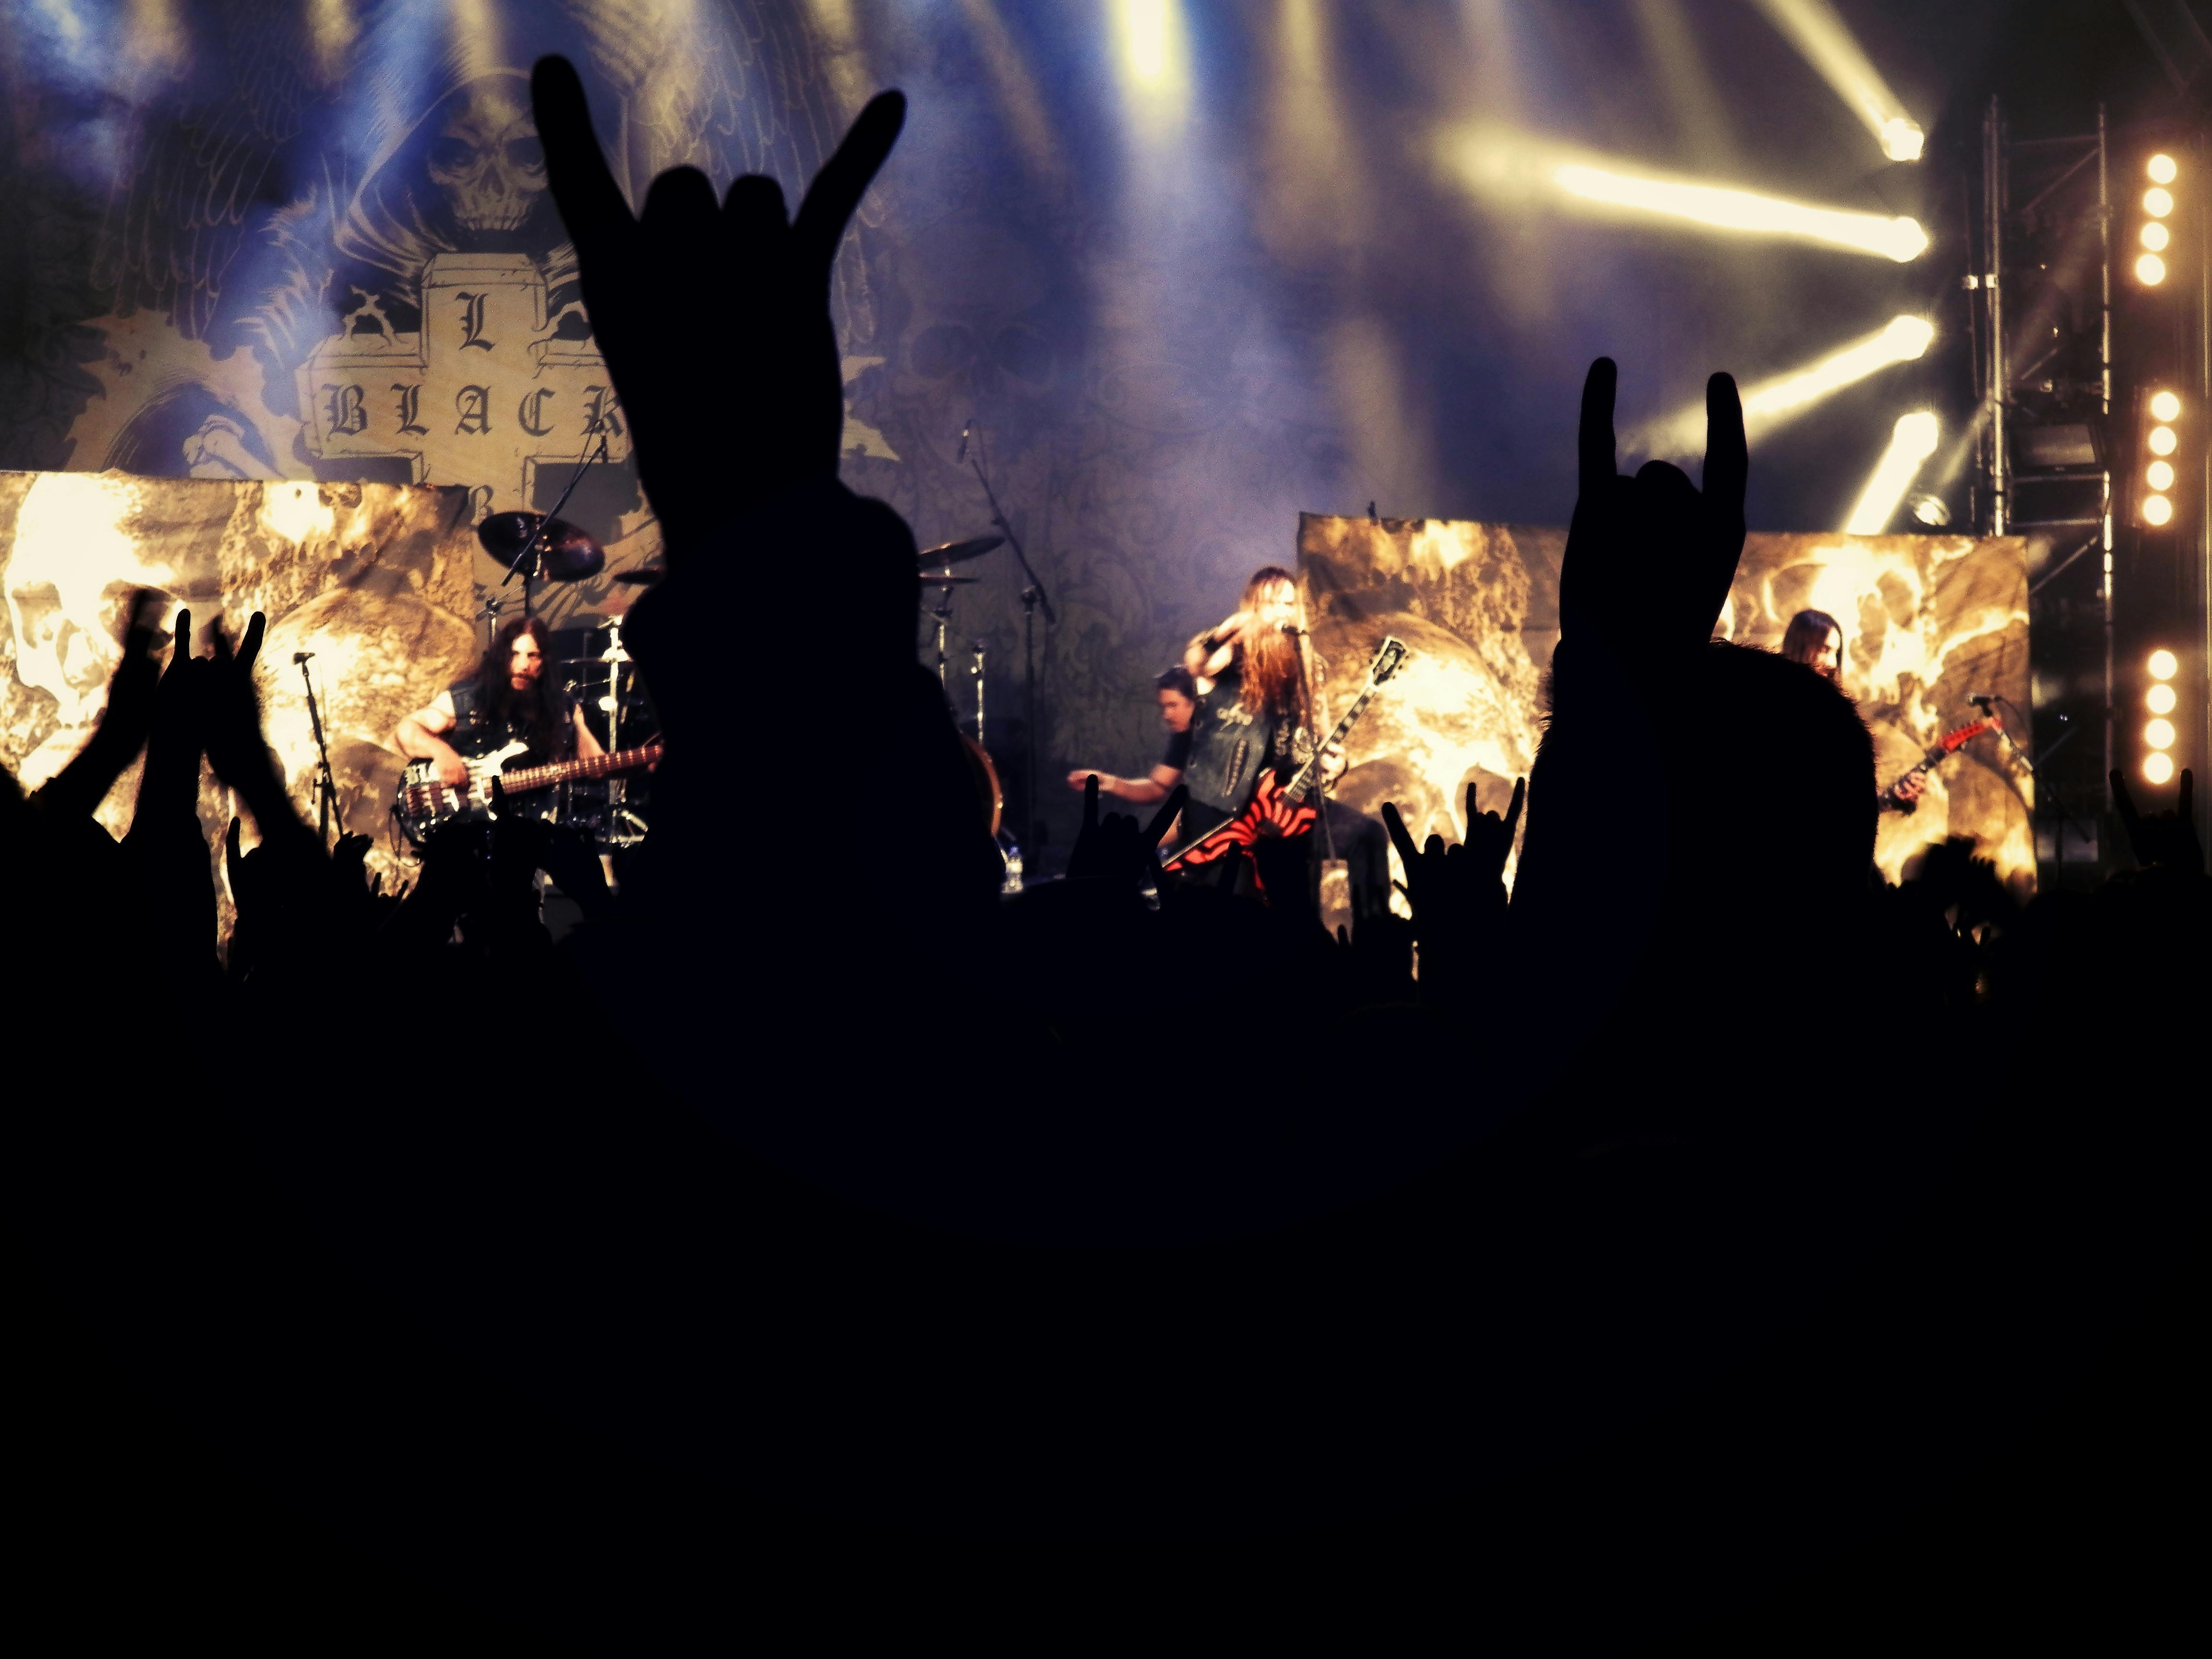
[[1824, 41], [1911, 442], [1152, 49], [1769, 404], [1724, 209]]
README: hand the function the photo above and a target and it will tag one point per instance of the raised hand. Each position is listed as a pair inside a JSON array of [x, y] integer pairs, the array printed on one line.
[[1116, 848], [770, 277], [1490, 838], [1457, 893], [171, 778], [1648, 559], [2166, 839], [123, 724]]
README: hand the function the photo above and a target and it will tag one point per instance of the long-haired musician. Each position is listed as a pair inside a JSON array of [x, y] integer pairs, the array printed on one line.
[[1816, 639], [510, 698], [1254, 703]]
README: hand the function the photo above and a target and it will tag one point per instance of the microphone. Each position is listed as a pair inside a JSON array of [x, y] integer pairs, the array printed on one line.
[[964, 431], [1980, 699], [301, 656], [1290, 627]]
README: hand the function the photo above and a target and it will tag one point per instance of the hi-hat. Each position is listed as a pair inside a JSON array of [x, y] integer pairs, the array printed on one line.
[[566, 553], [949, 553]]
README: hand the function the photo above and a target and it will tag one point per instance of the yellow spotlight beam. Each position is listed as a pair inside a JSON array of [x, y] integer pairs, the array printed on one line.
[[1743, 210], [1152, 51], [1911, 442], [1770, 403], [1823, 41]]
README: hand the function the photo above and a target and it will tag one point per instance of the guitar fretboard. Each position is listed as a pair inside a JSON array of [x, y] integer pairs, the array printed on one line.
[[599, 766]]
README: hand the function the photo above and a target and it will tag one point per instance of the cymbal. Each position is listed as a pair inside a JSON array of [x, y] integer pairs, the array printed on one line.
[[566, 553], [949, 553]]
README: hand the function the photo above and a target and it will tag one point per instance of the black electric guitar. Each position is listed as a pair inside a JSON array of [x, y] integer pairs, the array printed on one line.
[[424, 803], [1281, 809], [1945, 746]]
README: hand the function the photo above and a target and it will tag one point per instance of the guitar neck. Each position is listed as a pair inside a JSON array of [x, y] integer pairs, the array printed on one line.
[[599, 766], [1302, 784]]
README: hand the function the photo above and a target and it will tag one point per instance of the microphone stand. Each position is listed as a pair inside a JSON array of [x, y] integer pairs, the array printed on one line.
[[1032, 597], [326, 785]]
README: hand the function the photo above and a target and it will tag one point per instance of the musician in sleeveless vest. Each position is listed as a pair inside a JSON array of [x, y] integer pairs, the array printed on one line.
[[1816, 639], [511, 698]]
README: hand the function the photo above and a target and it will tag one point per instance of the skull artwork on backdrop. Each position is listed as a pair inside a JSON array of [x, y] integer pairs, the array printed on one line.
[[487, 161], [990, 335], [83, 545]]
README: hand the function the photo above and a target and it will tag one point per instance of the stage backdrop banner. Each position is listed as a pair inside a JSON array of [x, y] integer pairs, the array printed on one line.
[[376, 581], [1927, 621]]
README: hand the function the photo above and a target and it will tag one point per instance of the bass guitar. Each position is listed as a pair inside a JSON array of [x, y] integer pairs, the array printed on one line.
[[1945, 746], [424, 804], [1281, 809]]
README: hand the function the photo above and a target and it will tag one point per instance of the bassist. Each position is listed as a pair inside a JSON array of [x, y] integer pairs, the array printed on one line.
[[509, 699]]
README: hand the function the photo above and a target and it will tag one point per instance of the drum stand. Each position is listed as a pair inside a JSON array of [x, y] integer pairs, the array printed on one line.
[[976, 656], [1033, 596], [944, 615]]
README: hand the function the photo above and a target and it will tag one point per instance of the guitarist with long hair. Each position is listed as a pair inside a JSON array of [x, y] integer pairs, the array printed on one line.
[[510, 698], [1254, 707], [1816, 639]]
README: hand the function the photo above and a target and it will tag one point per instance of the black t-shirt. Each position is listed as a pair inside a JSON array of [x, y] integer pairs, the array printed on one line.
[[476, 733], [1178, 755]]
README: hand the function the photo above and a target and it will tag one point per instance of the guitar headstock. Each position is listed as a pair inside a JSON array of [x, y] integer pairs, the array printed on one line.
[[1951, 741], [1389, 657]]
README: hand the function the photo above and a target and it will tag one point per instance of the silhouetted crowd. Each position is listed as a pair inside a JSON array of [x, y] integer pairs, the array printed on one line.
[[1707, 1200]]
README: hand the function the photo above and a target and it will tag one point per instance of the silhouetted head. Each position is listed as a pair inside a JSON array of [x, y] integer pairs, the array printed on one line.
[[1775, 805]]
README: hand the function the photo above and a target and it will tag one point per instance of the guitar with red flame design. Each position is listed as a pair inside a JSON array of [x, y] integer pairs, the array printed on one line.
[[1281, 809], [1945, 746]]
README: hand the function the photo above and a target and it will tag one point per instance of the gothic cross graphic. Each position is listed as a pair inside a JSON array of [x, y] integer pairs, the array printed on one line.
[[482, 396]]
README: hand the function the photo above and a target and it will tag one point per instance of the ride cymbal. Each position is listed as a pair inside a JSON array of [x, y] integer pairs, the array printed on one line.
[[566, 553], [949, 553]]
